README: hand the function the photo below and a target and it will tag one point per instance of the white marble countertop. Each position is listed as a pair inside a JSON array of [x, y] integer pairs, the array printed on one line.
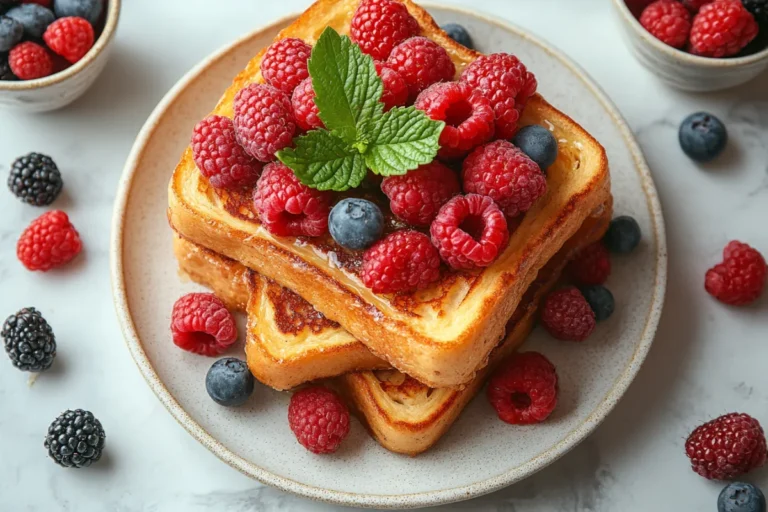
[[707, 359]]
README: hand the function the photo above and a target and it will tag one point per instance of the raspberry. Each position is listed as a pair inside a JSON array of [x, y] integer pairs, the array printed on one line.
[[506, 174], [287, 207], [70, 37], [468, 115], [380, 25], [727, 447], [524, 390], [695, 5], [721, 29], [421, 62], [201, 323], [284, 66], [470, 231], [50, 241], [507, 83], [416, 197], [567, 315], [668, 21], [305, 110], [44, 3], [29, 61], [395, 88], [264, 122], [591, 267], [219, 157], [319, 419], [740, 278], [402, 261]]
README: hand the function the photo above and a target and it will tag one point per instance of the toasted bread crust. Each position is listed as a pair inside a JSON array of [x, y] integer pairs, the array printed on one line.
[[442, 347]]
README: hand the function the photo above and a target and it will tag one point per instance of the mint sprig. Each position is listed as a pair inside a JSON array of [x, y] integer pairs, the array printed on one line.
[[359, 135]]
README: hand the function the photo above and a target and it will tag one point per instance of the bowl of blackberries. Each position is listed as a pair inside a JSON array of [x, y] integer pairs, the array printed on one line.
[[698, 45], [51, 51]]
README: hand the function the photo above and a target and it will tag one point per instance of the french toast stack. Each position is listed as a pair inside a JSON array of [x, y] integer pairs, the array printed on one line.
[[408, 362]]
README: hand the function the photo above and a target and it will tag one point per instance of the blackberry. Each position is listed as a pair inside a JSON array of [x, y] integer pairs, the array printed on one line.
[[29, 341], [5, 69], [35, 179], [759, 9], [75, 439]]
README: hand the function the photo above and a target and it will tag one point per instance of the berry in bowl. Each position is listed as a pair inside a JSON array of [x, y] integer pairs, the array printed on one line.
[[51, 51], [698, 45]]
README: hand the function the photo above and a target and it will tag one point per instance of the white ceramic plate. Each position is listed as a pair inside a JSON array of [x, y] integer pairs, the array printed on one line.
[[480, 454]]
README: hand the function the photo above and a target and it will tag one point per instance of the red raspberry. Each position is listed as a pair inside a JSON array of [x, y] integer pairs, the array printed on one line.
[[219, 157], [592, 266], [50, 241], [44, 3], [380, 25], [29, 61], [319, 419], [284, 66], [524, 389], [470, 231], [468, 115], [727, 447], [264, 122], [305, 110], [507, 83], [506, 174], [740, 278], [722, 28], [695, 5], [402, 261], [567, 315], [421, 62], [201, 323], [287, 207], [416, 197], [395, 88], [69, 37], [668, 21]]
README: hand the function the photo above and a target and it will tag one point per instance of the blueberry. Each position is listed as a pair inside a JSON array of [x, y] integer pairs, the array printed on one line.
[[229, 382], [356, 223], [538, 143], [741, 497], [11, 33], [88, 9], [623, 235], [459, 34], [702, 136], [600, 300], [34, 18]]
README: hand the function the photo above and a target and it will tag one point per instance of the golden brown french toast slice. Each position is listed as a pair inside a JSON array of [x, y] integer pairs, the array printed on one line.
[[404, 415], [444, 334], [288, 342]]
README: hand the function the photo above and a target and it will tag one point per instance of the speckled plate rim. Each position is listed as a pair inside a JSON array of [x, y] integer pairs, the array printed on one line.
[[429, 498]]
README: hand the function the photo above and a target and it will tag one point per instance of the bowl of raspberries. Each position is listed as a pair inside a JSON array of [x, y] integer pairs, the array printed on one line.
[[51, 51], [698, 45]]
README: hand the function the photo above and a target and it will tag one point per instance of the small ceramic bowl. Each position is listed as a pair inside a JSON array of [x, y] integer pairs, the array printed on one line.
[[683, 70], [64, 87]]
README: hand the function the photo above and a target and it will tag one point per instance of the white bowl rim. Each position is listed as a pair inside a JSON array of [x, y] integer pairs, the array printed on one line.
[[107, 34], [708, 62], [413, 500]]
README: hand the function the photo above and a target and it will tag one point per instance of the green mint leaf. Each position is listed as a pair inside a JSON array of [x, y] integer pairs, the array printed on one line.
[[324, 161], [400, 141], [347, 88]]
